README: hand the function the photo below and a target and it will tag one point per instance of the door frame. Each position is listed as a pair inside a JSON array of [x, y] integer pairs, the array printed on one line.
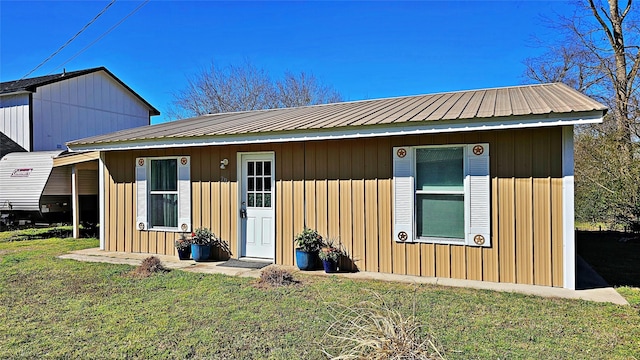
[[240, 157]]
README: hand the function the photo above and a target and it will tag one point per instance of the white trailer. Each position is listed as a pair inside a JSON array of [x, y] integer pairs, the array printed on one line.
[[31, 187]]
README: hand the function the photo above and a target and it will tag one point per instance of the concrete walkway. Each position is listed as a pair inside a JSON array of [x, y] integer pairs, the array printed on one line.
[[603, 294]]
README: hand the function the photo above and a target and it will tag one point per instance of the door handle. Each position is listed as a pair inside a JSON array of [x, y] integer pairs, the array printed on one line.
[[243, 211]]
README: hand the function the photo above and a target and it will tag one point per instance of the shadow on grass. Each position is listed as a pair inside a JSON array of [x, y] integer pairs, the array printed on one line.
[[615, 256]]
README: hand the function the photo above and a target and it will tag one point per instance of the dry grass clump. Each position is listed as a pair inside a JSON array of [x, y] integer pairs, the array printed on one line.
[[274, 276], [373, 330], [149, 266]]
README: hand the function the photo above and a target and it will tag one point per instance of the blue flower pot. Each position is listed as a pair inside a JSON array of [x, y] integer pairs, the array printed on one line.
[[306, 260], [184, 254], [330, 266], [200, 252]]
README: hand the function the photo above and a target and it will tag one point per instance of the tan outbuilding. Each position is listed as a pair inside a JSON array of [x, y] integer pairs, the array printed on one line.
[[470, 185]]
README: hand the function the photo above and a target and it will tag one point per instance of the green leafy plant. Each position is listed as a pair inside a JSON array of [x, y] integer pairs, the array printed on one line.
[[183, 243], [332, 250], [308, 240], [204, 236]]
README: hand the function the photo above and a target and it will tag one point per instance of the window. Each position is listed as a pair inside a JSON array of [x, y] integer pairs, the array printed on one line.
[[259, 184], [163, 193], [441, 194]]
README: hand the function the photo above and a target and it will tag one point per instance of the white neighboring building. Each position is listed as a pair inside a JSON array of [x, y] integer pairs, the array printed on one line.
[[43, 113], [40, 115]]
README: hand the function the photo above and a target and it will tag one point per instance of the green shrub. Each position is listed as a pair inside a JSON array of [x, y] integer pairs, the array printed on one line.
[[308, 240]]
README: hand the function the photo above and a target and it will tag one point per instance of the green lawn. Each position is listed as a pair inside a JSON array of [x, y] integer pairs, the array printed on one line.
[[56, 308]]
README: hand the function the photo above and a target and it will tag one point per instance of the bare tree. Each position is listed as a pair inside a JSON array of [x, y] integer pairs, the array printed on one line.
[[599, 55], [246, 87], [303, 89]]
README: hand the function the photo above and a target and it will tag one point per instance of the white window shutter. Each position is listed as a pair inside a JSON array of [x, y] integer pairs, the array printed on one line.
[[403, 194], [184, 193], [141, 194], [478, 204]]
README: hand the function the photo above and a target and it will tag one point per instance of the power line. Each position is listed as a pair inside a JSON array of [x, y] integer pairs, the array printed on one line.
[[72, 38], [101, 36]]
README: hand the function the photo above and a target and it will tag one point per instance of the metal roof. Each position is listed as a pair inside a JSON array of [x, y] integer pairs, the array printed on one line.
[[470, 106], [31, 84]]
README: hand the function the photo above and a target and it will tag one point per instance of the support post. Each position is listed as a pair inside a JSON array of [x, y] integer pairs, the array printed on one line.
[[568, 212], [101, 199], [75, 203]]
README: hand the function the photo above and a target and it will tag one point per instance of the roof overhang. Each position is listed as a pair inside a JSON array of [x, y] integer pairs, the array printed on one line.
[[21, 92], [76, 158], [406, 128]]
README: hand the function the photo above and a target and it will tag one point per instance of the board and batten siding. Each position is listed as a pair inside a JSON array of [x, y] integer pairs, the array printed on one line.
[[14, 119], [343, 188], [83, 106]]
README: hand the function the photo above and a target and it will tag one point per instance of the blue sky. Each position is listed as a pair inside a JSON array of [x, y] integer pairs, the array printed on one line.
[[365, 50]]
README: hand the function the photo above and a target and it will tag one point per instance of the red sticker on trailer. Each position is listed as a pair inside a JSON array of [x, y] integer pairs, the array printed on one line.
[[21, 172]]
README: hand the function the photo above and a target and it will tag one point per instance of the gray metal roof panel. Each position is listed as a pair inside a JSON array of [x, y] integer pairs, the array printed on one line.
[[471, 107], [487, 108], [463, 105]]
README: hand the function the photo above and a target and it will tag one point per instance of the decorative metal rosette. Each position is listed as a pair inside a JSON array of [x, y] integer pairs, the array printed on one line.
[[402, 152], [141, 226], [140, 162], [478, 150], [183, 161], [184, 227], [402, 236], [478, 239]]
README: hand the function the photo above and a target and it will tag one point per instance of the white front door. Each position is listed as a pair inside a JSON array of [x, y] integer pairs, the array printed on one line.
[[258, 231]]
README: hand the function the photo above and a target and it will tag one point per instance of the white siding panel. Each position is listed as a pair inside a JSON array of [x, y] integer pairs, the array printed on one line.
[[55, 93], [42, 126], [74, 90], [85, 106], [14, 118], [90, 98]]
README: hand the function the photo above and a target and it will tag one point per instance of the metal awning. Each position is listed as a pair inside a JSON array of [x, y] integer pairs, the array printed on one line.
[[76, 158]]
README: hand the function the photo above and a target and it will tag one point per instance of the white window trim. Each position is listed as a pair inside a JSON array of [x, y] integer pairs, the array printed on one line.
[[183, 191], [400, 224], [464, 192]]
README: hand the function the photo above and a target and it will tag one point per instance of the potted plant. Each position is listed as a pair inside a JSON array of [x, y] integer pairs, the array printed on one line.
[[330, 254], [201, 242], [183, 245], [308, 242]]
